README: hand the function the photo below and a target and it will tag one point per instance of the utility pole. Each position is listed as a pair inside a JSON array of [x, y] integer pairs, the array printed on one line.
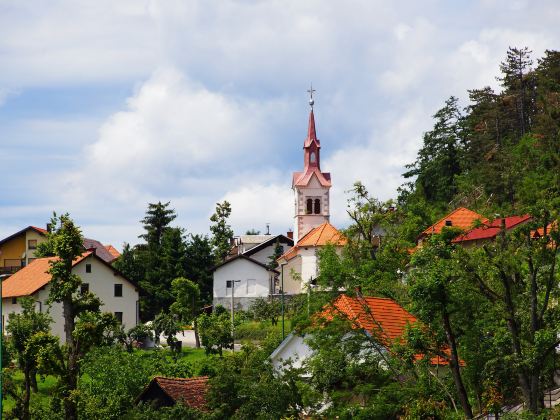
[[232, 312]]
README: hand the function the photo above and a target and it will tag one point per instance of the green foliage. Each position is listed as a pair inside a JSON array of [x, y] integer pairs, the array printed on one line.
[[277, 253], [222, 234], [187, 297], [199, 261], [245, 386], [215, 331], [167, 325], [266, 310], [22, 328], [112, 379]]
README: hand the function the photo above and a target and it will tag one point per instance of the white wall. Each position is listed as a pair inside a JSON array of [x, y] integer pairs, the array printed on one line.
[[241, 269], [292, 348], [101, 282]]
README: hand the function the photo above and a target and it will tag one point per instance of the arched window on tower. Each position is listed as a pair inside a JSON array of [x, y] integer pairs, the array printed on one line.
[[312, 157], [309, 208], [317, 206]]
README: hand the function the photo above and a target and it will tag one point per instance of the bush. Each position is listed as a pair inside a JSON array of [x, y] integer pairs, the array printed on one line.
[[112, 378]]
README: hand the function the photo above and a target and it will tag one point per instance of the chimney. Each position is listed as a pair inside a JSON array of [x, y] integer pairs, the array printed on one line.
[[290, 234]]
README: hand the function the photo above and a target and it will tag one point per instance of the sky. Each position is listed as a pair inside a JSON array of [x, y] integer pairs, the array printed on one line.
[[106, 106]]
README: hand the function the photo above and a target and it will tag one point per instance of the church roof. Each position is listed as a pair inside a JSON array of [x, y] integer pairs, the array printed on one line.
[[319, 236], [301, 179]]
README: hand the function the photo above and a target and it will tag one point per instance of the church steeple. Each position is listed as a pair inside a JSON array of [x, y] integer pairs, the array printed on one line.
[[311, 146], [311, 186]]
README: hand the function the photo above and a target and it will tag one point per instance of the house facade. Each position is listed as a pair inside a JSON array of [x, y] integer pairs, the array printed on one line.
[[18, 249], [240, 280], [118, 294]]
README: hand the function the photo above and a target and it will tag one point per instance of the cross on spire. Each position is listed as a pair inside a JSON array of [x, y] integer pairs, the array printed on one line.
[[311, 100]]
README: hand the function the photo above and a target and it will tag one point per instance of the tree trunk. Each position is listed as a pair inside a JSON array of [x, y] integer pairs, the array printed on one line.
[[34, 386], [455, 367], [196, 336], [71, 377], [26, 395]]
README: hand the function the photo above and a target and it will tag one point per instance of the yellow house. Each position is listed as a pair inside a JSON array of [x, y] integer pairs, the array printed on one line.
[[18, 250]]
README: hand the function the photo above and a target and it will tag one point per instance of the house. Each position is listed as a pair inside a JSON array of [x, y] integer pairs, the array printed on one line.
[[166, 392], [489, 230], [298, 266], [118, 294], [461, 218], [18, 249], [382, 318], [241, 280], [260, 247], [248, 267]]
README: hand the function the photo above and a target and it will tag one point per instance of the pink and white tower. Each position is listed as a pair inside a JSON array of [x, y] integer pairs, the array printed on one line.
[[311, 186]]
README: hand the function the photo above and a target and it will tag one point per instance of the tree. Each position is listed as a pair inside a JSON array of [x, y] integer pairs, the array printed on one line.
[[22, 327], [166, 324], [84, 325], [160, 259], [222, 234], [276, 253], [135, 335], [215, 331], [264, 310], [155, 223], [518, 275], [438, 295], [199, 261], [439, 159], [187, 303], [127, 263]]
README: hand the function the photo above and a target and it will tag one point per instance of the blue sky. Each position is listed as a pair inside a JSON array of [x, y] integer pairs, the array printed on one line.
[[106, 106]]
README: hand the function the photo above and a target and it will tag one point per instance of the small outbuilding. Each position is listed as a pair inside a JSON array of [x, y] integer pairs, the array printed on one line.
[[166, 392]]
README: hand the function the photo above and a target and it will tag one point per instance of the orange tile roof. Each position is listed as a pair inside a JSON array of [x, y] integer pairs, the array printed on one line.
[[382, 317], [462, 218], [113, 251], [189, 391], [33, 277], [319, 236]]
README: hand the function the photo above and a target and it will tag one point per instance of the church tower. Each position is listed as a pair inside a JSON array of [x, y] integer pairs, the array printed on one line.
[[311, 186]]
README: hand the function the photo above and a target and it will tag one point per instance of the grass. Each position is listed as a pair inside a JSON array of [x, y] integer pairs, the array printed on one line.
[[257, 331], [42, 397]]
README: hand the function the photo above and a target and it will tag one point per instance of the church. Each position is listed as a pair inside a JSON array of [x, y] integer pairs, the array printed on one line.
[[242, 278]]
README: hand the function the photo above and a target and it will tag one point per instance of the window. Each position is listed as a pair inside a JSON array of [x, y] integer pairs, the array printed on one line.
[[251, 286], [14, 300], [118, 315], [312, 158], [88, 268], [84, 288], [309, 208], [448, 223], [118, 290], [229, 284], [317, 209], [32, 243]]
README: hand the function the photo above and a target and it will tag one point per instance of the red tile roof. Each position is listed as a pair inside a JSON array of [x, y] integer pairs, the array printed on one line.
[[33, 277], [490, 230], [319, 236], [461, 217], [20, 232], [188, 391], [384, 318], [113, 251]]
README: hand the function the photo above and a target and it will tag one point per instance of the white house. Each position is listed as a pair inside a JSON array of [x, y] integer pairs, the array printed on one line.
[[298, 266], [381, 318], [118, 294], [244, 277]]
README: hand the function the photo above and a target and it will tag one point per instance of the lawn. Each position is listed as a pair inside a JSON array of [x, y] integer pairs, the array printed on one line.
[[45, 386], [258, 331]]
